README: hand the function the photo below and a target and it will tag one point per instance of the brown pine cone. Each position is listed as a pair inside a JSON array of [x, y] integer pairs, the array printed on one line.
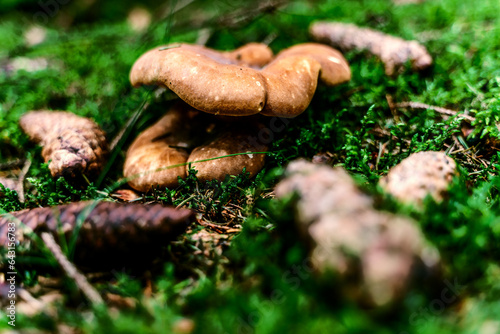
[[74, 145], [112, 234]]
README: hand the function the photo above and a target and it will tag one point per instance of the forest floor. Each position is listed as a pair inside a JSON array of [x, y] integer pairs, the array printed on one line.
[[219, 277]]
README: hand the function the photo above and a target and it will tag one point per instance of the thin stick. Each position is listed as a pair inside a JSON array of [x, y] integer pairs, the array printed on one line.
[[32, 301], [418, 105], [20, 180], [204, 35], [269, 38], [185, 201], [217, 226], [71, 271]]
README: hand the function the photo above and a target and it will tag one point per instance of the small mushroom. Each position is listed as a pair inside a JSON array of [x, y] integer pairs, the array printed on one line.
[[171, 140], [419, 175], [72, 145]]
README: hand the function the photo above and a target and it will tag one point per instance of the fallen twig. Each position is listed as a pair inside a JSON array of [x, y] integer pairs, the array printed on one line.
[[444, 111], [20, 180], [70, 270]]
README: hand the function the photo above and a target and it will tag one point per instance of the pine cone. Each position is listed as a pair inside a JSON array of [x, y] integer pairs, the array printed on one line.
[[74, 145], [112, 234]]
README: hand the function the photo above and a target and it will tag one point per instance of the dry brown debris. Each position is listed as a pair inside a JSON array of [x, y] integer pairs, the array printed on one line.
[[74, 145], [112, 234], [393, 51], [419, 175], [374, 253], [126, 195]]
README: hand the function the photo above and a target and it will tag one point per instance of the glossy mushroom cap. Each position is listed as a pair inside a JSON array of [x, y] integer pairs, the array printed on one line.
[[206, 84], [223, 83], [334, 67]]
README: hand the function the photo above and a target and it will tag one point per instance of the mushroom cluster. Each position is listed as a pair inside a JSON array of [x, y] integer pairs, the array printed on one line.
[[248, 81]]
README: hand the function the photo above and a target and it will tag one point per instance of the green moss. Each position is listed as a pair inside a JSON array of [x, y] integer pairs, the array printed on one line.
[[236, 289]]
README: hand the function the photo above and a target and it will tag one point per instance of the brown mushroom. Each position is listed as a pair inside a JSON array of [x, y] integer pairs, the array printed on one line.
[[229, 84], [220, 85], [169, 142], [233, 140], [72, 145]]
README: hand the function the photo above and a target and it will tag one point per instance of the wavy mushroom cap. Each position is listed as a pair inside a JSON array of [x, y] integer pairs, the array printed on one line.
[[222, 83], [204, 83], [334, 67], [290, 84]]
